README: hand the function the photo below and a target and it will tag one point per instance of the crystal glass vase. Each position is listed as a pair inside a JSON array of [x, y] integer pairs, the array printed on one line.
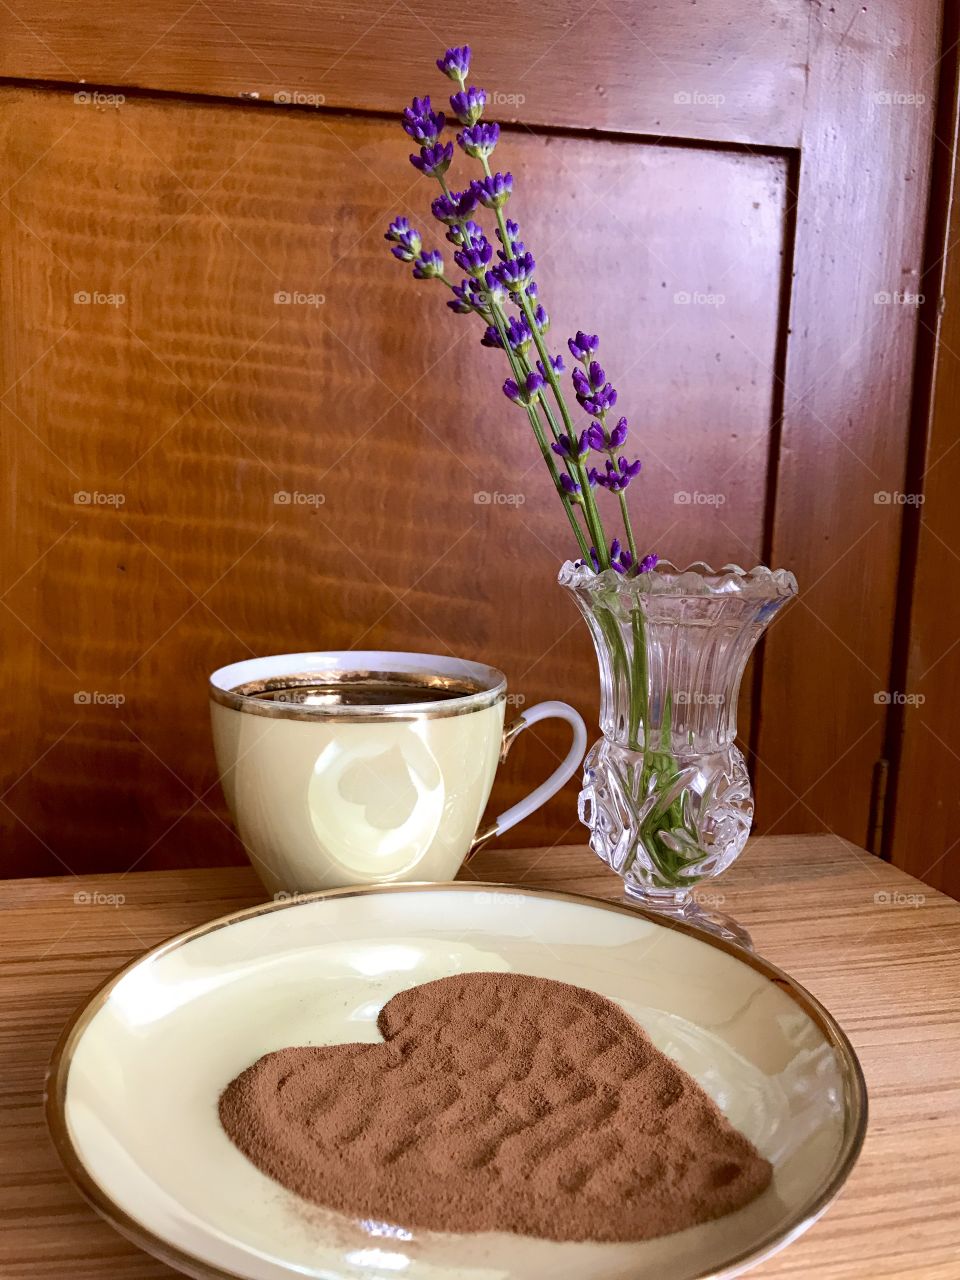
[[666, 794]]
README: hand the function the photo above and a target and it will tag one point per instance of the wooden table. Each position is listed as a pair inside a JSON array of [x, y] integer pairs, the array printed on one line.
[[879, 948]]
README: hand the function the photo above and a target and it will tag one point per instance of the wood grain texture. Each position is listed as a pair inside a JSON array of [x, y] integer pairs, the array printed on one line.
[[865, 162], [182, 411], [724, 72], [881, 950], [924, 830]]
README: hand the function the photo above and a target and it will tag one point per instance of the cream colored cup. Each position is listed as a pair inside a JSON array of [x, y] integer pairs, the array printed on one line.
[[327, 793]]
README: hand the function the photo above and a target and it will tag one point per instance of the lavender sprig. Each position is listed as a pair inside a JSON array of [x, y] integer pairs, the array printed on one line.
[[490, 287]]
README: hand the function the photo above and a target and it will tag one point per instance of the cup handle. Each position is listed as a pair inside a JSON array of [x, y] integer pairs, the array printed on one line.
[[562, 774]]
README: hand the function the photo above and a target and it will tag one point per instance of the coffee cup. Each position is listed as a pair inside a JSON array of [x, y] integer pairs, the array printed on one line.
[[355, 767]]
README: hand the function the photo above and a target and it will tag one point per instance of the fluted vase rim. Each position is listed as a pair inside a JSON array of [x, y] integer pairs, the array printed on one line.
[[695, 579]]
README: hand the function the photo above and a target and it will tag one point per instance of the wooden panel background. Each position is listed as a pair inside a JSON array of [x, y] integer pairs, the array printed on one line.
[[725, 73], [199, 398], [924, 834]]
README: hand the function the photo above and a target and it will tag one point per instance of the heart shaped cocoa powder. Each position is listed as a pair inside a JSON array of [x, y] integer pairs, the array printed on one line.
[[497, 1102]]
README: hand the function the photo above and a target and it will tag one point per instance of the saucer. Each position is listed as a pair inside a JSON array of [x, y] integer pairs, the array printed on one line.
[[134, 1083]]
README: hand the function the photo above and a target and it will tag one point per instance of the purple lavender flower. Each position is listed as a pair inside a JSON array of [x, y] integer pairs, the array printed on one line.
[[620, 558], [565, 447], [600, 440], [593, 393], [601, 401], [496, 293], [455, 63], [513, 247], [428, 265], [398, 228], [479, 140], [468, 297], [648, 563], [475, 259], [454, 207], [556, 364], [406, 239], [468, 104], [583, 346], [434, 161], [466, 233], [616, 478], [518, 334], [542, 320], [493, 192], [572, 489], [514, 273], [526, 393], [491, 336], [422, 123]]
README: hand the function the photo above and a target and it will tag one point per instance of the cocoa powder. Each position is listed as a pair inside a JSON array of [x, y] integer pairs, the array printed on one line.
[[497, 1102]]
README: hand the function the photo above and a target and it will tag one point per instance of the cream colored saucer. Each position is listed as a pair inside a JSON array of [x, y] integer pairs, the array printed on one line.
[[135, 1079]]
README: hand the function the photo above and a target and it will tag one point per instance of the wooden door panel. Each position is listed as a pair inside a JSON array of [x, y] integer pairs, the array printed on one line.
[[198, 398], [723, 72], [846, 408]]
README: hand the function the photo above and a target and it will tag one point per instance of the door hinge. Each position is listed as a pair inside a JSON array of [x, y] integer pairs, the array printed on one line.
[[878, 806]]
